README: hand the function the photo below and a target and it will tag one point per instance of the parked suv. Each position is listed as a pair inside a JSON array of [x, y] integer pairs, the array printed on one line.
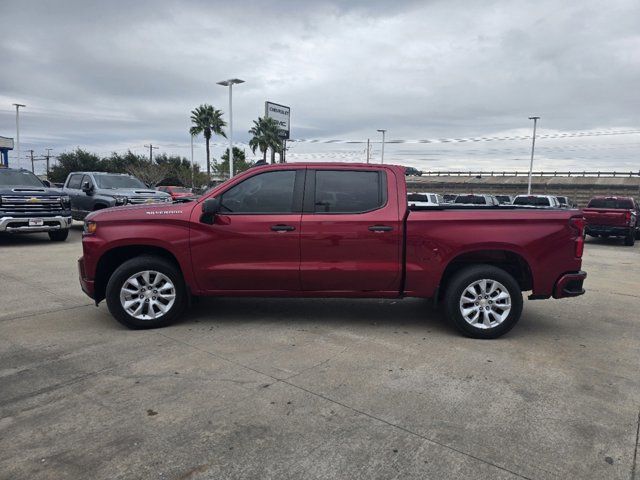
[[90, 191], [27, 206], [538, 201]]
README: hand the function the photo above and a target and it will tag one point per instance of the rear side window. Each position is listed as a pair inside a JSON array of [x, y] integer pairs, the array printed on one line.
[[417, 197], [613, 203], [343, 191], [269, 192], [75, 181]]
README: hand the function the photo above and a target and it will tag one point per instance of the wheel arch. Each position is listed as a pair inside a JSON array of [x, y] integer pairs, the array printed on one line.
[[508, 260], [116, 256]]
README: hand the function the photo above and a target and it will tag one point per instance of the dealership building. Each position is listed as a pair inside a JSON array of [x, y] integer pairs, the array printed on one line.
[[6, 144]]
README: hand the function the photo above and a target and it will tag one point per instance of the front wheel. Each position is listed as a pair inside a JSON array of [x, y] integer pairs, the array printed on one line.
[[483, 301], [146, 292], [59, 235]]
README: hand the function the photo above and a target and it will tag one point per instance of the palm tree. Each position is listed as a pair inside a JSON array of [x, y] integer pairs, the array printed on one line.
[[265, 136], [208, 121]]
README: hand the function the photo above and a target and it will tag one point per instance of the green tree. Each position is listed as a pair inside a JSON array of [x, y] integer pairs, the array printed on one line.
[[208, 121], [77, 161], [265, 136], [240, 163]]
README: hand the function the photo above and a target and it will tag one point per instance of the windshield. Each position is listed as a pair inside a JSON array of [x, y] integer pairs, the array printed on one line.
[[118, 181], [19, 178], [535, 201], [473, 199], [613, 203]]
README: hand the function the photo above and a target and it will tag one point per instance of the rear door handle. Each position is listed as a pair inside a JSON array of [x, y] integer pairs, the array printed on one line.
[[380, 228], [282, 228]]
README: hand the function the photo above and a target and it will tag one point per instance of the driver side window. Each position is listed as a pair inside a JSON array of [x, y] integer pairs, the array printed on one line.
[[269, 192]]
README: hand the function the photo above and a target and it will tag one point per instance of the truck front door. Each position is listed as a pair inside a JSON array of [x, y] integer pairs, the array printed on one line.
[[351, 231], [254, 242]]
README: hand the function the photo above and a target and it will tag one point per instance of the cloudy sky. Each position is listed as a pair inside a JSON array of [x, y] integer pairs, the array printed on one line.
[[116, 75]]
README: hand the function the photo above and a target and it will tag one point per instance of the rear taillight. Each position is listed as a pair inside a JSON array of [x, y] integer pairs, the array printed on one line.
[[628, 217], [577, 225]]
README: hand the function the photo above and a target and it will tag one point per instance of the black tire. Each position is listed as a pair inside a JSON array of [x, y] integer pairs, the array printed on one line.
[[465, 278], [59, 235], [140, 264], [630, 239], [638, 234]]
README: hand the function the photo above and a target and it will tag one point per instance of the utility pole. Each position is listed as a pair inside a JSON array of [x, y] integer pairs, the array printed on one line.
[[382, 155], [48, 157], [230, 83], [18, 105], [151, 149], [368, 150], [193, 167], [284, 151], [33, 170], [533, 147]]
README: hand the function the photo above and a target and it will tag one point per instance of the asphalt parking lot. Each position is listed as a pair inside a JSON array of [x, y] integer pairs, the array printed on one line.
[[291, 388]]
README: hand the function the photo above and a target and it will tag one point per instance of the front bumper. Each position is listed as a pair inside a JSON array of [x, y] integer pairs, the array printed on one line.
[[570, 285], [607, 230], [21, 224], [87, 285]]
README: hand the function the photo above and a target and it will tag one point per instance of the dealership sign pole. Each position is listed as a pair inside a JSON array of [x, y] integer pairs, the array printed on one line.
[[282, 115]]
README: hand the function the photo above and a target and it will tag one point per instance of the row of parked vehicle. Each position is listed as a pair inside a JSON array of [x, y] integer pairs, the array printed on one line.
[[605, 216], [29, 205]]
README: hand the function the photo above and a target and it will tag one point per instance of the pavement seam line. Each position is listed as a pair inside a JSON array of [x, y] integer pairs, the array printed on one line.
[[353, 409], [45, 312], [635, 451]]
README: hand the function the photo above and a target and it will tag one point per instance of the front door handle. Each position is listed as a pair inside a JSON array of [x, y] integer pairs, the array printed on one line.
[[282, 228], [380, 228]]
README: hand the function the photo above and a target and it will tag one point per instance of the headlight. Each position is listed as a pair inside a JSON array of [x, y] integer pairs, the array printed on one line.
[[66, 201], [89, 227], [121, 200]]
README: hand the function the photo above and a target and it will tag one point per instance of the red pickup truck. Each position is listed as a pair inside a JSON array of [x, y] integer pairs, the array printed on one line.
[[329, 230], [613, 217]]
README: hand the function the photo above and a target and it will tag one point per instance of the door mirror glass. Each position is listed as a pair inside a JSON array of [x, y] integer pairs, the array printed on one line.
[[86, 187], [210, 207]]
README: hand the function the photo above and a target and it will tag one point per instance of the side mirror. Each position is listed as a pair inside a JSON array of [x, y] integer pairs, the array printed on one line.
[[86, 187], [46, 183], [210, 207]]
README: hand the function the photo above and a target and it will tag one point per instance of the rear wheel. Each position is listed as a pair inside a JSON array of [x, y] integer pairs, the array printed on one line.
[[146, 292], [483, 301], [59, 235], [630, 239]]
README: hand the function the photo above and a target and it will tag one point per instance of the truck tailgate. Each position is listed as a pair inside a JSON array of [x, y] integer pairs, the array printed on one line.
[[608, 217]]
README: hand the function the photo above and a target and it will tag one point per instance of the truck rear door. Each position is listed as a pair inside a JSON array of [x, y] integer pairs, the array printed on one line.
[[351, 231]]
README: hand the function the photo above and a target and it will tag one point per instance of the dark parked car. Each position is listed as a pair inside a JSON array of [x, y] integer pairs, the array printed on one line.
[[90, 191], [413, 172], [27, 206], [504, 199]]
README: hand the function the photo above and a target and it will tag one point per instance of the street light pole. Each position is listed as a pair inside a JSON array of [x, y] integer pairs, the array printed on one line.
[[533, 147], [383, 132], [18, 105], [192, 166], [229, 83]]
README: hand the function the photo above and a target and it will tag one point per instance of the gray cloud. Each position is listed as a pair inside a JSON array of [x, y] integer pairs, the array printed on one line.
[[115, 75]]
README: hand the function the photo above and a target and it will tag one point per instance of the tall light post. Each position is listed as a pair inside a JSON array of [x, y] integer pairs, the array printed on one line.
[[192, 165], [230, 83], [18, 105], [533, 147], [383, 132]]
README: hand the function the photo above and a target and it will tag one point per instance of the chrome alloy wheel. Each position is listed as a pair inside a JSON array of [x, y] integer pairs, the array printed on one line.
[[147, 295], [485, 304]]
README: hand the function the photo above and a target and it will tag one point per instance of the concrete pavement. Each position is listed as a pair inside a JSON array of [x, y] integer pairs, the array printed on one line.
[[294, 388]]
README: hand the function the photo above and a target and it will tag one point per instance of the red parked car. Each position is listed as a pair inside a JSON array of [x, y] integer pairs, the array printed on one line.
[[613, 217], [176, 192], [330, 230]]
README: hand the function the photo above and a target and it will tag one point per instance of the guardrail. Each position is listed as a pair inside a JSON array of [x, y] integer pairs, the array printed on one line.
[[466, 173]]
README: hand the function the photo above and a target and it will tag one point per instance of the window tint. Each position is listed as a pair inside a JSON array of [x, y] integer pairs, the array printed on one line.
[[75, 181], [471, 199], [613, 203], [270, 192], [343, 191], [535, 201], [417, 197]]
